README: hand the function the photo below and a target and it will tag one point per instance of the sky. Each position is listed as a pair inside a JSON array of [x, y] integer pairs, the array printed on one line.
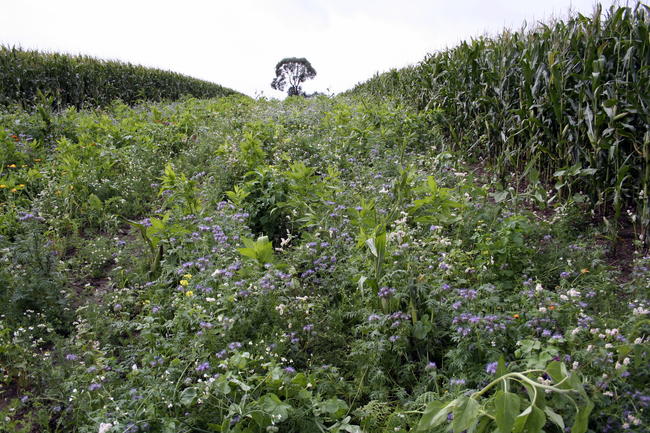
[[237, 43]]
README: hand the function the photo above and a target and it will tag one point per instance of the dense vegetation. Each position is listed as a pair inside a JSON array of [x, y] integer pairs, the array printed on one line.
[[563, 103], [248, 266], [309, 265], [27, 77]]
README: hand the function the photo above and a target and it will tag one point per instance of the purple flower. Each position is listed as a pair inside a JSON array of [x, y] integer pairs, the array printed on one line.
[[71, 357], [491, 368], [393, 338], [234, 345], [431, 366], [457, 381], [202, 367], [94, 386], [386, 292], [565, 274], [289, 370]]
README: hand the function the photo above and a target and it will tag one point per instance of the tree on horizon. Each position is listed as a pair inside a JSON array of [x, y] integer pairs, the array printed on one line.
[[292, 71]]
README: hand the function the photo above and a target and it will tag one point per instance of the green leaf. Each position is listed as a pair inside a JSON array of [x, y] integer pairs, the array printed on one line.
[[507, 408], [466, 415], [554, 417], [435, 414], [420, 330], [582, 418], [558, 372], [501, 367], [188, 395], [334, 406], [275, 407], [500, 196], [248, 252], [371, 245], [531, 420]]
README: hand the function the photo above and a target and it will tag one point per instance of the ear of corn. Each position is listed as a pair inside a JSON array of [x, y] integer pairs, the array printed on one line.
[[82, 81], [570, 96]]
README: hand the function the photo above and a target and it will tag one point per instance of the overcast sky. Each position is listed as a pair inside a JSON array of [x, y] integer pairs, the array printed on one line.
[[237, 43]]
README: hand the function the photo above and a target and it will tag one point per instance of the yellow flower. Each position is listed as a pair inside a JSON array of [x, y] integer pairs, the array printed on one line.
[[13, 190], [584, 271], [2, 185], [187, 276], [12, 166], [22, 185], [184, 282], [189, 293]]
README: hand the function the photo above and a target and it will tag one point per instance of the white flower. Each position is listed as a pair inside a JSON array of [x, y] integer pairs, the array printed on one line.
[[210, 299], [573, 293], [575, 365], [564, 297], [626, 361], [638, 340], [104, 427], [542, 309]]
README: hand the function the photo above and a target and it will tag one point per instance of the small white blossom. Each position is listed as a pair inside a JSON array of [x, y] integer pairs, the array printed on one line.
[[104, 427]]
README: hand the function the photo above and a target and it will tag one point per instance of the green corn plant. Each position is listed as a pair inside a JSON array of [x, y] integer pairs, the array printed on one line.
[[81, 81], [569, 93]]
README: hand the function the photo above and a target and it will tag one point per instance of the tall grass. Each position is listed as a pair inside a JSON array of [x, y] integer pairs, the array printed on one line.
[[568, 101], [84, 81]]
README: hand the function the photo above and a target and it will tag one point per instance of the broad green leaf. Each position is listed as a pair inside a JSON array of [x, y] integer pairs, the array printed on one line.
[[582, 418], [435, 414], [334, 406], [188, 395], [248, 252], [420, 330], [275, 407], [554, 417], [558, 372], [531, 420], [466, 415], [507, 409]]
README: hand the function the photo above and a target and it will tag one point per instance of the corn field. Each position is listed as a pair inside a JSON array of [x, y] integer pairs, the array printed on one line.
[[565, 103], [83, 81]]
